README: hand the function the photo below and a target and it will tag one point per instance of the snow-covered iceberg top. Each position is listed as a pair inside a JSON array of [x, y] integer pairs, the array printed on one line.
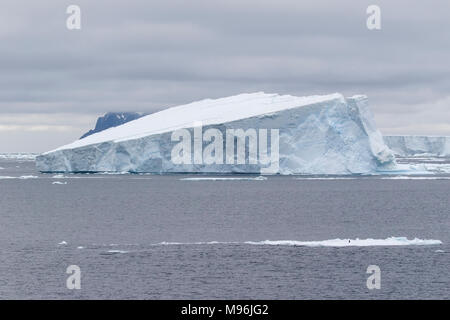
[[413, 145], [326, 134], [208, 111]]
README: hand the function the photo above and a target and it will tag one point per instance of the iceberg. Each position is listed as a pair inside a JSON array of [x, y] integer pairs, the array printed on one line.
[[410, 146], [327, 134]]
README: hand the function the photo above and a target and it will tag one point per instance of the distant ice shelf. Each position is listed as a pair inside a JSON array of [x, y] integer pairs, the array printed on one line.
[[18, 156], [327, 134], [410, 145]]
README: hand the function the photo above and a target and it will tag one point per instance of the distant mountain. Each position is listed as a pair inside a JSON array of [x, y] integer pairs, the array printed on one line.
[[113, 119]]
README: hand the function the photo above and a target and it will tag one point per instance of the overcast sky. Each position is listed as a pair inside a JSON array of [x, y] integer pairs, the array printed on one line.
[[148, 55]]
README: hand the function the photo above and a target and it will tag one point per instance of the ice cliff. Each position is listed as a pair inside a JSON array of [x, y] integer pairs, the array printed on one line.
[[326, 134], [409, 146]]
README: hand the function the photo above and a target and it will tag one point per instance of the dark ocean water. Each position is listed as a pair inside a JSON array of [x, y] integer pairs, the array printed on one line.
[[146, 237]]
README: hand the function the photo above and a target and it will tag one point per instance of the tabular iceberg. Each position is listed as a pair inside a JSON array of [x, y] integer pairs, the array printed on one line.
[[326, 134], [409, 146]]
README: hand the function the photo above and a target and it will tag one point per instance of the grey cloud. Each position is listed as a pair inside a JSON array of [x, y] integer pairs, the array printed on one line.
[[147, 55]]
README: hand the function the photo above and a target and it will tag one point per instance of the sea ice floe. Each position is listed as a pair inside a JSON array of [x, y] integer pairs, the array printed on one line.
[[391, 241], [58, 182], [116, 251], [326, 178], [260, 178]]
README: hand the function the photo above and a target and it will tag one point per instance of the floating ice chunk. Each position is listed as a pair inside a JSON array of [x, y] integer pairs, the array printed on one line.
[[58, 182], [116, 251], [80, 247], [62, 243]]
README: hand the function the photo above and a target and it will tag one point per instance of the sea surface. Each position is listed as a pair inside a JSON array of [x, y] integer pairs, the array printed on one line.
[[181, 237]]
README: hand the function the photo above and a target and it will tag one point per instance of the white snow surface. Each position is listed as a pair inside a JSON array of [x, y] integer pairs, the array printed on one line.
[[407, 146], [326, 134], [392, 241], [207, 111]]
